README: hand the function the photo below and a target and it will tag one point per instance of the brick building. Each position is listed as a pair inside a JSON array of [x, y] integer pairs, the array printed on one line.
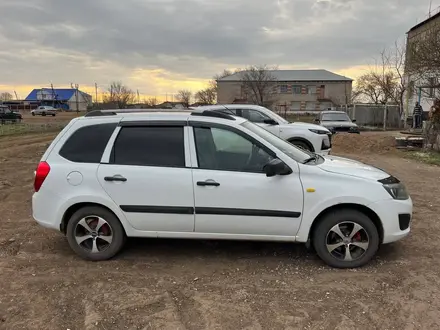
[[293, 90]]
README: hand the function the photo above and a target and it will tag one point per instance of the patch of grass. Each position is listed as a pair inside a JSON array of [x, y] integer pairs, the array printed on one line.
[[18, 129], [428, 157]]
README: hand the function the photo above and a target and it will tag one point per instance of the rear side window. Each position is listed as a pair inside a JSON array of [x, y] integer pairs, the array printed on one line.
[[150, 146], [87, 144]]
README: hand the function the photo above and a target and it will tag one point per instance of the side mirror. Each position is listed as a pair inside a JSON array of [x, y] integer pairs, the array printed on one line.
[[353, 120], [270, 122], [276, 167]]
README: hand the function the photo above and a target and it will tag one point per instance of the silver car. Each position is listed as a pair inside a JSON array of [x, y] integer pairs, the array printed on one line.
[[337, 122]]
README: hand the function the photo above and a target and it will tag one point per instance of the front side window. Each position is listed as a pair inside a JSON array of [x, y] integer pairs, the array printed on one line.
[[288, 149], [149, 146], [87, 144], [225, 150], [255, 116]]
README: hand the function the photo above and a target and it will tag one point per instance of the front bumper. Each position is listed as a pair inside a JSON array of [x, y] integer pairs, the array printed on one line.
[[394, 217]]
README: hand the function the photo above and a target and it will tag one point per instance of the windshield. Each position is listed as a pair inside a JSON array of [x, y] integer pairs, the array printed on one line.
[[335, 117], [287, 148]]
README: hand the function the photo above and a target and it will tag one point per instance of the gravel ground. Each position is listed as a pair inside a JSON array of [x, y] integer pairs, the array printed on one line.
[[176, 284]]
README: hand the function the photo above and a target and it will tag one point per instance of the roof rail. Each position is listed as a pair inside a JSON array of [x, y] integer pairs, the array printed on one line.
[[96, 113], [213, 113]]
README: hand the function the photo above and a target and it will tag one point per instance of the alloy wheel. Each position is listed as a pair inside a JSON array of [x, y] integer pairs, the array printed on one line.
[[347, 241], [93, 233]]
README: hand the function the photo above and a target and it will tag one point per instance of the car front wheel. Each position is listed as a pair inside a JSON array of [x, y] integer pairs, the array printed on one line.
[[95, 233], [301, 144], [346, 239]]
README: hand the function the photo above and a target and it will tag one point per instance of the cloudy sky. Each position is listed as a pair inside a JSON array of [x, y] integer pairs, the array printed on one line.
[[160, 46]]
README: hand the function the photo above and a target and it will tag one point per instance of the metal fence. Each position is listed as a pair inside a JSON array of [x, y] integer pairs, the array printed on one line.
[[378, 116], [14, 129]]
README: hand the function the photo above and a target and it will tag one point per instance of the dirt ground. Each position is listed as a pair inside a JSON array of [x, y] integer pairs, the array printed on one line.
[[176, 284]]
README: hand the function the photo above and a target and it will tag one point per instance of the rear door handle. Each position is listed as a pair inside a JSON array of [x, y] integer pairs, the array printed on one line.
[[115, 178], [208, 183]]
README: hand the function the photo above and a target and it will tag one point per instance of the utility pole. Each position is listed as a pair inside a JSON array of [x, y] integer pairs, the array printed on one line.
[[77, 100], [16, 96], [53, 95], [96, 95]]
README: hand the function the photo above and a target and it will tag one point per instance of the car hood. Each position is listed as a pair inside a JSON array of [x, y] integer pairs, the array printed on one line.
[[305, 126], [338, 124], [351, 167]]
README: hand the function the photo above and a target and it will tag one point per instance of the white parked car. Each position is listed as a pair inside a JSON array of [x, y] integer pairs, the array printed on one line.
[[307, 136], [208, 175], [44, 110]]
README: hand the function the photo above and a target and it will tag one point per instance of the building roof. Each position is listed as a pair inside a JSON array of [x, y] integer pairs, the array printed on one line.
[[62, 94], [296, 75], [433, 17]]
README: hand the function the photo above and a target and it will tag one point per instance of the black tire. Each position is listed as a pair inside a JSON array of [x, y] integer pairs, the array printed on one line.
[[346, 217], [33, 113], [301, 144], [53, 115], [118, 233], [43, 114]]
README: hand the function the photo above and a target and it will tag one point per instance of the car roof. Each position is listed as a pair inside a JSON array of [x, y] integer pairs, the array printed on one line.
[[160, 114]]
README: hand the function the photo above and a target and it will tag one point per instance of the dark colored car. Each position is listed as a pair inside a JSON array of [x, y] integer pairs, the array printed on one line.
[[7, 115], [337, 122]]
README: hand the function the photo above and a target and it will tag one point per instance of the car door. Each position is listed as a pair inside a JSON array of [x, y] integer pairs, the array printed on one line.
[[149, 178], [232, 194]]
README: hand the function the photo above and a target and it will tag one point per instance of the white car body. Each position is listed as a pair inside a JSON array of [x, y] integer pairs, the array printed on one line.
[[307, 133], [44, 110], [170, 202]]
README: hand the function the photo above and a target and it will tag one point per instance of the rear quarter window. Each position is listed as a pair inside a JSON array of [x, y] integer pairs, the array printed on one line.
[[87, 144]]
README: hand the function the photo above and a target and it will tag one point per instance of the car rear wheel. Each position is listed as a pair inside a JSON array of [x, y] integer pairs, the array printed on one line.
[[33, 113], [95, 233], [346, 239]]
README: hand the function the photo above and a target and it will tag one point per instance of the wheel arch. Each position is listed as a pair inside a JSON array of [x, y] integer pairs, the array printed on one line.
[[301, 139], [77, 206], [350, 206]]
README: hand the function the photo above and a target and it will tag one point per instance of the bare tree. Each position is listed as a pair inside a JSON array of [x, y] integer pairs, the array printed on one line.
[[206, 96], [6, 96], [151, 102], [369, 87], [118, 94], [259, 84], [184, 96]]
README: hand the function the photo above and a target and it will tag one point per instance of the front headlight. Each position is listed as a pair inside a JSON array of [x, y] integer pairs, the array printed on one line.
[[396, 190], [318, 131]]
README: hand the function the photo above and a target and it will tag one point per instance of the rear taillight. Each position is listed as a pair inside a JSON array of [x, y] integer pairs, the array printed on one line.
[[41, 173]]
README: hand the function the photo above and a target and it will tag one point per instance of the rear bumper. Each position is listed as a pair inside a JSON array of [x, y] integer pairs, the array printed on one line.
[[394, 216], [41, 206]]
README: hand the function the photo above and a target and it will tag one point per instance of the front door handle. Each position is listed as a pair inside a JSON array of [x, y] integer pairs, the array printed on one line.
[[115, 178], [208, 183]]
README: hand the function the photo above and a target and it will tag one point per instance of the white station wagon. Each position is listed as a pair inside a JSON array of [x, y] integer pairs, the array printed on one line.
[[208, 175]]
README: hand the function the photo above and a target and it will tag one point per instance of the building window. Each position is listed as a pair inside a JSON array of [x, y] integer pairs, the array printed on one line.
[[311, 90], [296, 89], [295, 106], [284, 89], [310, 106]]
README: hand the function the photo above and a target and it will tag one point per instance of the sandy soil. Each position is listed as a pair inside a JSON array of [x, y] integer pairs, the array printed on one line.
[[175, 284]]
